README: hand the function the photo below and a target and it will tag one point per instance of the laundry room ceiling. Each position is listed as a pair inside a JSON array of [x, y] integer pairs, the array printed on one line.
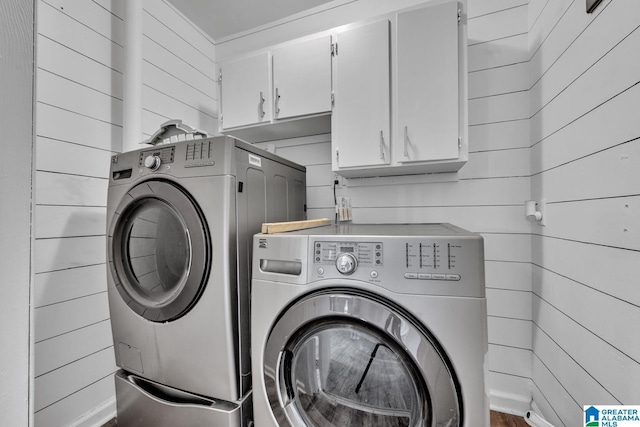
[[222, 18]]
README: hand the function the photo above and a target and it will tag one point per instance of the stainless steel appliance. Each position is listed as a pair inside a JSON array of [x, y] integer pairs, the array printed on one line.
[[180, 223], [382, 325]]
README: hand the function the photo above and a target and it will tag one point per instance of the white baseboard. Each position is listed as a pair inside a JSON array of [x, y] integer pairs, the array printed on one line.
[[97, 416], [509, 403]]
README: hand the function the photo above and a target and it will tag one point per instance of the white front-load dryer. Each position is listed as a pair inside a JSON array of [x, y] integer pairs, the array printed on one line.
[[181, 219], [370, 325]]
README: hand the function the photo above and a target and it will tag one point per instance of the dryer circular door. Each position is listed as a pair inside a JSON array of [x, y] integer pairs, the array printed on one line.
[[340, 357], [159, 250]]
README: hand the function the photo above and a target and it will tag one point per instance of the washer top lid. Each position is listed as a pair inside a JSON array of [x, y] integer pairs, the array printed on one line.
[[349, 229]]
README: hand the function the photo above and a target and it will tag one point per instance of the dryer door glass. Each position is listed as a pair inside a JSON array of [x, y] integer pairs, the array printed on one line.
[[159, 249], [340, 358]]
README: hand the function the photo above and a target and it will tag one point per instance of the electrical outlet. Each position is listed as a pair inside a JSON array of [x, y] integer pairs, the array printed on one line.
[[338, 180]]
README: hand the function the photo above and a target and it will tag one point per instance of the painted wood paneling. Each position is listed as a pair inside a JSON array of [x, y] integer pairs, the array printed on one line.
[[555, 393], [57, 319], [571, 298], [69, 221], [74, 34], [510, 332], [498, 81], [616, 72], [499, 108], [496, 26], [608, 221], [499, 136], [63, 350], [615, 280], [497, 164], [161, 56], [485, 7], [577, 181], [510, 360], [17, 49], [160, 31], [498, 53], [58, 384], [508, 275], [93, 16], [63, 157], [608, 125], [79, 127], [60, 189], [163, 12], [73, 407], [589, 351], [64, 61], [66, 94], [592, 46], [56, 123], [509, 303], [63, 285]]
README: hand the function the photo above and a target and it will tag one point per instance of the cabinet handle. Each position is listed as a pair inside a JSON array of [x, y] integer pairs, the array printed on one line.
[[261, 105], [277, 101], [381, 145], [406, 142]]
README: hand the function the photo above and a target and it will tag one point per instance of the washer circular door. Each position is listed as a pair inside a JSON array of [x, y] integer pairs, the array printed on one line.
[[159, 250], [340, 358]]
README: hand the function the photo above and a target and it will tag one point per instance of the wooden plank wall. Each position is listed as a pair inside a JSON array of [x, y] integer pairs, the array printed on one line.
[[489, 195], [178, 71], [585, 140], [16, 238], [79, 127]]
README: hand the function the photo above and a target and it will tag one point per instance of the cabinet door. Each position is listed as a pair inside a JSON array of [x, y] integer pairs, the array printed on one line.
[[302, 78], [427, 84], [244, 92], [360, 121]]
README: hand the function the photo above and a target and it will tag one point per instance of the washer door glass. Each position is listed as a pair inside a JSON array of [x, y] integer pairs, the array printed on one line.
[[344, 358], [158, 251], [348, 374], [157, 245]]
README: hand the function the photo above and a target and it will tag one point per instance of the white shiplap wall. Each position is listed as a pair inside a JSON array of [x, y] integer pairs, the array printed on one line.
[[585, 137], [79, 126], [16, 195], [488, 197]]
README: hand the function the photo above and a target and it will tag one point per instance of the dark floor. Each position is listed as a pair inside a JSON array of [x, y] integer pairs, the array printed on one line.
[[498, 419]]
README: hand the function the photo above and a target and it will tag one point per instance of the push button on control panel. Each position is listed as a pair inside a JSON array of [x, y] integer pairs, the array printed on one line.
[[432, 276]]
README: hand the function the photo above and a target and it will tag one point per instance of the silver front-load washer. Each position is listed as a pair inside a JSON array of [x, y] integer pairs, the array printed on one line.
[[376, 325], [180, 223]]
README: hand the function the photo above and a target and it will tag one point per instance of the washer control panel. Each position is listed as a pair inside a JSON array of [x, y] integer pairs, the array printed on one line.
[[348, 256], [409, 264]]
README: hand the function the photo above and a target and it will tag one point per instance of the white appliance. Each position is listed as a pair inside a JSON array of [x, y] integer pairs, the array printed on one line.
[[381, 325], [181, 218]]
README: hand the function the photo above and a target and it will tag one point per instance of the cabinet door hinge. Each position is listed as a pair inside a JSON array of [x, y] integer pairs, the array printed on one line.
[[333, 99], [220, 76], [334, 49], [338, 157], [459, 15], [459, 143]]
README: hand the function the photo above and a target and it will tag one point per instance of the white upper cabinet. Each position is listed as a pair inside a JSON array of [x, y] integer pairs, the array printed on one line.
[[360, 123], [244, 92], [302, 78], [427, 78]]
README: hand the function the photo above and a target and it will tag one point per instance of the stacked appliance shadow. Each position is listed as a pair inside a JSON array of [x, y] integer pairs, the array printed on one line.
[[180, 221]]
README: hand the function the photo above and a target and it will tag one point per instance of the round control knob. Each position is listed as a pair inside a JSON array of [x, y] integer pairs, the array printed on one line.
[[152, 162], [346, 263]]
